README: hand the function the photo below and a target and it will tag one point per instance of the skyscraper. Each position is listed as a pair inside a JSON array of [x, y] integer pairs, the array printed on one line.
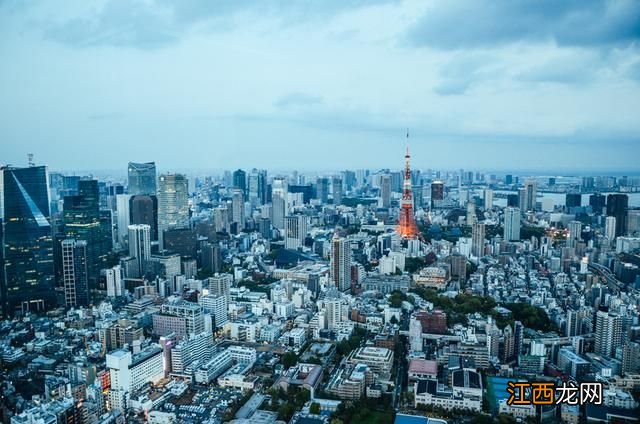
[[82, 221], [240, 180], [143, 209], [471, 213], [142, 178], [322, 190], [75, 273], [575, 233], [608, 333], [573, 200], [512, 224], [173, 204], [336, 189], [617, 206], [610, 228], [385, 190], [140, 245], [477, 239], [279, 189], [123, 214], [437, 194], [488, 198], [597, 202], [26, 280], [340, 262], [115, 286], [528, 196], [257, 188], [237, 208], [295, 231]]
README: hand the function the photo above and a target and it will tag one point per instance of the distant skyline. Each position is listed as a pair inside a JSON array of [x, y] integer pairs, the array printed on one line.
[[522, 86]]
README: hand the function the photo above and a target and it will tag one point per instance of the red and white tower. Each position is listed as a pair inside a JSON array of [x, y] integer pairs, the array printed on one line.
[[407, 227]]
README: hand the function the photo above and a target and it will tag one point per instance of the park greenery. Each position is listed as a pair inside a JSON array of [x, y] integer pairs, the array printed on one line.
[[286, 403], [347, 345], [458, 307]]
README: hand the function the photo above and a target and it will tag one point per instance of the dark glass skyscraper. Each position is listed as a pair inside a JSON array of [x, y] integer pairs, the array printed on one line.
[[617, 206], [142, 178], [75, 273], [240, 181], [26, 280], [597, 202], [82, 221], [143, 209]]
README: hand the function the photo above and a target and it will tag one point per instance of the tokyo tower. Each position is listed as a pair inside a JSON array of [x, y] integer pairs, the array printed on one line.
[[407, 227]]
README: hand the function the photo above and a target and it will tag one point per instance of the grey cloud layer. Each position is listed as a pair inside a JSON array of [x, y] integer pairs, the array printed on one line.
[[473, 80], [458, 24]]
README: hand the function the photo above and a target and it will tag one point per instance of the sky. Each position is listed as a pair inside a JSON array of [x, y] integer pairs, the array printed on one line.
[[321, 85]]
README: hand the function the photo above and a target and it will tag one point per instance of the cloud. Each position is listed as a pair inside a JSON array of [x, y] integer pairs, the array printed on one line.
[[461, 72], [572, 68], [298, 100], [150, 24], [634, 71], [460, 24], [119, 23]]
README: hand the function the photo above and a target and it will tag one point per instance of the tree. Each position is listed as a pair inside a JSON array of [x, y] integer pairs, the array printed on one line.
[[289, 359], [285, 411], [314, 408], [393, 320]]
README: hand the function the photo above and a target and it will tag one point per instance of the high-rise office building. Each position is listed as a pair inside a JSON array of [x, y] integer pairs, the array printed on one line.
[[115, 284], [173, 203], [385, 190], [631, 358], [240, 180], [142, 178], [608, 333], [140, 245], [75, 273], [279, 195], [512, 224], [211, 257], [437, 194], [295, 231], [237, 208], [488, 198], [610, 228], [528, 195], [617, 206], [257, 189], [26, 276], [82, 220], [322, 190], [143, 209], [573, 200], [597, 202], [341, 263], [336, 190], [123, 217], [575, 233], [471, 213], [513, 200], [477, 239]]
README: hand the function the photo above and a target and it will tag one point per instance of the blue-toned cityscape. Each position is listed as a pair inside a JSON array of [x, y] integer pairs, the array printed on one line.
[[319, 212]]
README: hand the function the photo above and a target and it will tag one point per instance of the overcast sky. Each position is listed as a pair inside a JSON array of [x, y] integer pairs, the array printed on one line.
[[545, 84]]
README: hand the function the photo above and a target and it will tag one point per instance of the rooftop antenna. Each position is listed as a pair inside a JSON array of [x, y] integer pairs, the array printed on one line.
[[30, 159]]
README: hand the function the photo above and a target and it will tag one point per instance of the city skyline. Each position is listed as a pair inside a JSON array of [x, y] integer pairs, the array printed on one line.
[[323, 86]]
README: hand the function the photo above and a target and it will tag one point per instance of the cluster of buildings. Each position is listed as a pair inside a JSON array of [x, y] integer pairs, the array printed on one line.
[[127, 301]]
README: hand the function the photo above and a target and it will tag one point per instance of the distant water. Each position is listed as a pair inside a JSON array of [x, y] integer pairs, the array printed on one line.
[[559, 199]]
